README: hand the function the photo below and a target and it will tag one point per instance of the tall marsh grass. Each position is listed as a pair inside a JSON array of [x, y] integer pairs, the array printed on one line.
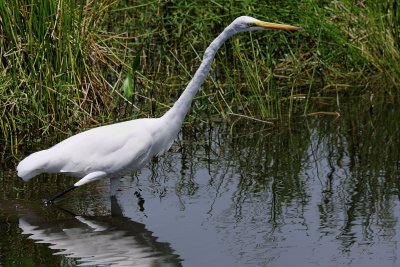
[[366, 38], [54, 59], [372, 28], [63, 63]]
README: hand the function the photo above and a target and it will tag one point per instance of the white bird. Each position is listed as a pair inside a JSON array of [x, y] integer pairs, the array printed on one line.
[[113, 150]]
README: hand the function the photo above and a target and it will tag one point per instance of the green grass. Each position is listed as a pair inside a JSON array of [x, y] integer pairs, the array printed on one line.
[[63, 63], [53, 66], [372, 30]]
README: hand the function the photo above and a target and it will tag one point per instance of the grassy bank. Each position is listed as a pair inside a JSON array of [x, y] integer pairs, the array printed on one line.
[[54, 62], [63, 63], [368, 33]]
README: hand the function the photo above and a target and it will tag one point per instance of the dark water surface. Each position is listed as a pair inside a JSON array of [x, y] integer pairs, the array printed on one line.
[[319, 191]]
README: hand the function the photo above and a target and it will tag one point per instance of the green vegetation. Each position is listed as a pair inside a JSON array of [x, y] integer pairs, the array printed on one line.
[[53, 63], [63, 63]]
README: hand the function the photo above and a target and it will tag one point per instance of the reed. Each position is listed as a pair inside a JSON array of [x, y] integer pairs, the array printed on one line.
[[367, 43], [64, 63], [54, 58]]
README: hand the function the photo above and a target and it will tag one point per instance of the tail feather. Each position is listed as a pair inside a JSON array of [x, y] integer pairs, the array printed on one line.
[[32, 165]]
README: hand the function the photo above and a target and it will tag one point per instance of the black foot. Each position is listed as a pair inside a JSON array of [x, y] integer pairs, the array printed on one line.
[[48, 202]]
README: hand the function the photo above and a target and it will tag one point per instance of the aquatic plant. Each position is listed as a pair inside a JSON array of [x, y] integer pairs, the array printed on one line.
[[63, 64]]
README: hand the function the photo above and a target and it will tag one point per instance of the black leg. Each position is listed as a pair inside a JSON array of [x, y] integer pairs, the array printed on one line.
[[50, 200]]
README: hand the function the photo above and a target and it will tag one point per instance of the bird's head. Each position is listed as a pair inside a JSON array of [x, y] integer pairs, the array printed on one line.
[[245, 23]]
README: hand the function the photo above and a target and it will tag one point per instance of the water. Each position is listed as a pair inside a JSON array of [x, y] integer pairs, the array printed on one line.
[[319, 191]]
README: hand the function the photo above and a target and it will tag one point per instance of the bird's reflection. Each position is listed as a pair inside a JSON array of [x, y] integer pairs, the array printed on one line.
[[107, 240]]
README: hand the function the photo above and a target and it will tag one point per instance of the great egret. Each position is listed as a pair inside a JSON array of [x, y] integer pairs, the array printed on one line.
[[113, 150]]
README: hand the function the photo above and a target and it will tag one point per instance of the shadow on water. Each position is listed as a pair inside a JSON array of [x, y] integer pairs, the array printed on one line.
[[318, 191], [84, 240]]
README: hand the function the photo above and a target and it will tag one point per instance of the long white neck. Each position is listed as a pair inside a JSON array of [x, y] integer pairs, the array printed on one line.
[[182, 105]]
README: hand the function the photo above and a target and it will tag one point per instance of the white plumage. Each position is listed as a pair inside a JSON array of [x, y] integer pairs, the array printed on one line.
[[110, 150]]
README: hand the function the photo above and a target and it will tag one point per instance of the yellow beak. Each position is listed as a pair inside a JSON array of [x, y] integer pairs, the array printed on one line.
[[276, 26]]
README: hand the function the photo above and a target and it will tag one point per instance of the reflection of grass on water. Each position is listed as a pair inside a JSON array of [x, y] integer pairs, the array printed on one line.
[[344, 171], [62, 62]]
